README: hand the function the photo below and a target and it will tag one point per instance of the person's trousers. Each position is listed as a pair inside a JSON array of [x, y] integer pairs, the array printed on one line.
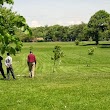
[[2, 72], [31, 68], [10, 69]]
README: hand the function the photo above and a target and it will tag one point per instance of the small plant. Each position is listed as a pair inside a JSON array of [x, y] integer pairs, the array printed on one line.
[[57, 56], [90, 53], [77, 42], [31, 47], [90, 39]]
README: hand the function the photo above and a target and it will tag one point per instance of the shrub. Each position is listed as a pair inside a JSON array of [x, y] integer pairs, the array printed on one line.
[[77, 42], [91, 51]]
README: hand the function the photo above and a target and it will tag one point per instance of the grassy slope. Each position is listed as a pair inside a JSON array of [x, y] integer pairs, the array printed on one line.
[[74, 85]]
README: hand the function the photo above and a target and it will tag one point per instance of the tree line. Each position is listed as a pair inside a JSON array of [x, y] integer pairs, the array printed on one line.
[[97, 29], [15, 30]]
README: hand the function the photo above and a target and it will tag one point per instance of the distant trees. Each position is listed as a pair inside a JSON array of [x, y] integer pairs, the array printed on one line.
[[58, 33], [98, 28], [77, 32]]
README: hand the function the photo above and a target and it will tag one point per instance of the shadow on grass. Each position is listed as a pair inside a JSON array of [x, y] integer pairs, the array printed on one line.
[[105, 46], [88, 44], [100, 45], [2, 79]]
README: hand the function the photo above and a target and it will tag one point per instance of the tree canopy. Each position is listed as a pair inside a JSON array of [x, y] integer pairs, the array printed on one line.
[[6, 1], [98, 22], [9, 22], [97, 29]]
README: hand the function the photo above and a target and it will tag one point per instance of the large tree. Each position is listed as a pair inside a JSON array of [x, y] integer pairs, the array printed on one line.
[[9, 22], [6, 1], [98, 22]]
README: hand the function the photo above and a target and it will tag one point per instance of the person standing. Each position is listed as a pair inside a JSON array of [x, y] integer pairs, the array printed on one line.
[[31, 61], [8, 64], [1, 68]]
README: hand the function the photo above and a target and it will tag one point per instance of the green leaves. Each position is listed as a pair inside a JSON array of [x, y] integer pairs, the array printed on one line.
[[20, 22], [57, 55], [6, 1], [77, 42], [7, 45], [99, 19], [99, 22], [91, 51], [9, 22]]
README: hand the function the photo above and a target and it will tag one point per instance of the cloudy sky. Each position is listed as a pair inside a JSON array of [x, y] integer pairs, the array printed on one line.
[[62, 12]]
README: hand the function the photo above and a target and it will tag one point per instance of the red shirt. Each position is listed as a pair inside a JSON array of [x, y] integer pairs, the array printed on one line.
[[31, 58]]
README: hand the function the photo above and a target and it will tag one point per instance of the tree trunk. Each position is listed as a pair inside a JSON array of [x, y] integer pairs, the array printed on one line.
[[97, 42], [97, 38]]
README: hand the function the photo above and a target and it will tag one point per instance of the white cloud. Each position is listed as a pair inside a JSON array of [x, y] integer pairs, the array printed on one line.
[[67, 23], [78, 22], [35, 23]]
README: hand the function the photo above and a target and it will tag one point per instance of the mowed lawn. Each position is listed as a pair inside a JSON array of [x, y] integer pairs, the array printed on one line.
[[80, 82]]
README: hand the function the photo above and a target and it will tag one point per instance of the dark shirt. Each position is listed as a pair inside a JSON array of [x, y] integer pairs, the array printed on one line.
[[1, 61]]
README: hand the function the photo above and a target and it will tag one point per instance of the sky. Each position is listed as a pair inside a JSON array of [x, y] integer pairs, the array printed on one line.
[[62, 12]]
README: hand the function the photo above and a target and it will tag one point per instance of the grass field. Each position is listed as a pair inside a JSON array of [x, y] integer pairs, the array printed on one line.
[[80, 82]]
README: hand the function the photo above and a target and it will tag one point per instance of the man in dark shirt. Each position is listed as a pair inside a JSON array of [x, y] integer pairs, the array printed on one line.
[[31, 61], [1, 68]]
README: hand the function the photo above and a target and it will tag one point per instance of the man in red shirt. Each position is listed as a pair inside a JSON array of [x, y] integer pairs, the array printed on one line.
[[31, 61]]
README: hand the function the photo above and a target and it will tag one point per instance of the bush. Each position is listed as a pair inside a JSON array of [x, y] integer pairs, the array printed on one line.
[[40, 40], [91, 51], [77, 42]]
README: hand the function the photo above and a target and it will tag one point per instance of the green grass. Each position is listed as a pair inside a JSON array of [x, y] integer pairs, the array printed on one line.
[[77, 83]]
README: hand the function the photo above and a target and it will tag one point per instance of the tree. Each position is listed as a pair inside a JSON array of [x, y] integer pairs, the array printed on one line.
[[76, 32], [57, 55], [98, 22], [6, 1], [9, 22]]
